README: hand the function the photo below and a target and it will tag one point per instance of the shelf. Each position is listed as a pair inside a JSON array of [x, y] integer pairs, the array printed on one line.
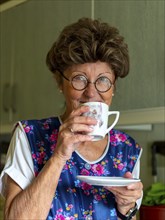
[[142, 116]]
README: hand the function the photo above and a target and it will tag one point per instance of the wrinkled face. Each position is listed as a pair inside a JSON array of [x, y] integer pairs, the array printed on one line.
[[92, 71]]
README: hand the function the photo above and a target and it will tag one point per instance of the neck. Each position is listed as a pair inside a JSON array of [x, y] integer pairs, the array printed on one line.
[[92, 150], [64, 116]]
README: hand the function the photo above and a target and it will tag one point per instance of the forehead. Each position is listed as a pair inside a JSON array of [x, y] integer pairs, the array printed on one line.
[[90, 68]]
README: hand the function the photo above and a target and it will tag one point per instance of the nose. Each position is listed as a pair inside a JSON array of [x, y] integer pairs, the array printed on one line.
[[90, 90]]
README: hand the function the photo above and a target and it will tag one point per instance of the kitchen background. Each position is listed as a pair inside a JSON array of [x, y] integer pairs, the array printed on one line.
[[27, 88]]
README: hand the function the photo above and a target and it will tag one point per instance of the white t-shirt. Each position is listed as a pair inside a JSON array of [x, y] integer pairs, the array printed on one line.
[[19, 164]]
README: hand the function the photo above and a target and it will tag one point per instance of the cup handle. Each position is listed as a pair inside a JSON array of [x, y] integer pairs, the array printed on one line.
[[115, 121]]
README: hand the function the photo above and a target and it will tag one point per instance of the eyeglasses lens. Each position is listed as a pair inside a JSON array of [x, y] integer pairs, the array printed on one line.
[[79, 82], [103, 84]]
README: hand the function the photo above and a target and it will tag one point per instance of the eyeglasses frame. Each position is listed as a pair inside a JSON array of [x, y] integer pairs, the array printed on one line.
[[87, 83]]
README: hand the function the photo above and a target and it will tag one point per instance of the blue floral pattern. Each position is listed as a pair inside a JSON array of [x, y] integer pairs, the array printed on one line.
[[73, 199]]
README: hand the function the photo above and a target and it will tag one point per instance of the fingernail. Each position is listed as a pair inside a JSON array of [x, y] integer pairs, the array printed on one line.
[[91, 137], [91, 128]]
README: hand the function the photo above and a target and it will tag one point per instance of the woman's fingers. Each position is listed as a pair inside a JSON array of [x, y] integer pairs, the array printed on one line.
[[135, 191], [73, 131], [76, 123], [127, 195]]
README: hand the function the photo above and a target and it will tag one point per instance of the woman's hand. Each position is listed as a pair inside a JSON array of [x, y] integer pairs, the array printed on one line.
[[73, 131], [127, 196]]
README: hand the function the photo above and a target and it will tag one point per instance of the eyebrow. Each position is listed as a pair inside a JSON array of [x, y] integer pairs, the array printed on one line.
[[86, 74]]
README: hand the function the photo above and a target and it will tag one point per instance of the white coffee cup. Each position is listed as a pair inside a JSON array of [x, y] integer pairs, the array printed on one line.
[[100, 111]]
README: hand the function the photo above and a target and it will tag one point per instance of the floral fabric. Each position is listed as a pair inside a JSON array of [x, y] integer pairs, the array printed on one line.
[[73, 199]]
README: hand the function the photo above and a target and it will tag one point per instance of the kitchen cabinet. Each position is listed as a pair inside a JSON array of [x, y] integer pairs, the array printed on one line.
[[142, 25], [27, 88]]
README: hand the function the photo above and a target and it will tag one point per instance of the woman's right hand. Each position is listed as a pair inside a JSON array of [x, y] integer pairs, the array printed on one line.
[[74, 131]]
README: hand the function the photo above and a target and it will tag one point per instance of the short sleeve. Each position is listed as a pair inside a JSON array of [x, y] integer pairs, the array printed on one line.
[[19, 163], [136, 174], [136, 170]]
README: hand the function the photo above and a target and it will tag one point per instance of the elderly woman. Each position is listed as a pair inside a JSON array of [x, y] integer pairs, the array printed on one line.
[[45, 156]]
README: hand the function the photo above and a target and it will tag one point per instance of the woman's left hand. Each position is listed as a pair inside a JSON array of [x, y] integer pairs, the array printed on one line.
[[127, 196]]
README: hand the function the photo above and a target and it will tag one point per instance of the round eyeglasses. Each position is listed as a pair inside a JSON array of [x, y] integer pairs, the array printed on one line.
[[80, 82]]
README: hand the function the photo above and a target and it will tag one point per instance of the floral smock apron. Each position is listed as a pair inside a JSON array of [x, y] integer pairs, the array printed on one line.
[[74, 199]]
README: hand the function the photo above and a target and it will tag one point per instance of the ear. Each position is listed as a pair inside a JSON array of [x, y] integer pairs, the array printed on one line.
[[60, 90], [59, 80]]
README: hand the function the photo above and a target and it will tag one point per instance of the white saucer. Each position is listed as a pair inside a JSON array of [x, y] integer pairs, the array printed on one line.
[[107, 181]]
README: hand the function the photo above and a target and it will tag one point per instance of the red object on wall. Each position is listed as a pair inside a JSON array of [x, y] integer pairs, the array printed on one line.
[[152, 212]]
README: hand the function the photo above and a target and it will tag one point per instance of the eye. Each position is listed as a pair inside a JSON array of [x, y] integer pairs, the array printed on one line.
[[79, 82], [104, 80], [79, 78]]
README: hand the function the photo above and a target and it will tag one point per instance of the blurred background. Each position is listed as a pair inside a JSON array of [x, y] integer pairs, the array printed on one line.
[[28, 28]]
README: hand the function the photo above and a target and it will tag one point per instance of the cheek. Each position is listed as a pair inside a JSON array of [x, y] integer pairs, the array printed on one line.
[[71, 94], [107, 97], [71, 97], [109, 102]]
